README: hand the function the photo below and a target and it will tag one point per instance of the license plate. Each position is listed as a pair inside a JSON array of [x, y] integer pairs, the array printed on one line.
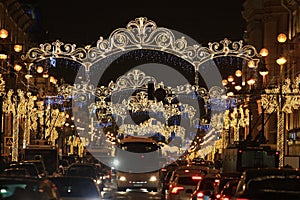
[[137, 185]]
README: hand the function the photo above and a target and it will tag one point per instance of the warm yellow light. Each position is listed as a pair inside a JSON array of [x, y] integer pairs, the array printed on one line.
[[45, 75], [3, 56], [281, 61], [238, 73], [264, 73], [230, 78], [264, 52], [224, 82], [251, 81], [52, 79], [238, 87], [251, 64], [3, 33], [18, 47], [230, 94], [17, 67], [39, 69], [281, 38], [28, 76]]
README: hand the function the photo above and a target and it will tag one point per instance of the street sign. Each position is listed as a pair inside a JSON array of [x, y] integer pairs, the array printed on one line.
[[8, 141]]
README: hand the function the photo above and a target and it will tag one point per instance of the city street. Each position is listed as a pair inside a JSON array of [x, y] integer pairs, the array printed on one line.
[[111, 193], [130, 194]]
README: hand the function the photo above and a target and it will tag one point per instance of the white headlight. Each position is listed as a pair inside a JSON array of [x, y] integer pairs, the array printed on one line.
[[153, 178], [116, 162], [122, 178]]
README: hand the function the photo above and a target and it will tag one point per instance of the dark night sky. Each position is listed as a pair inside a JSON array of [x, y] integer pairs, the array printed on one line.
[[83, 22]]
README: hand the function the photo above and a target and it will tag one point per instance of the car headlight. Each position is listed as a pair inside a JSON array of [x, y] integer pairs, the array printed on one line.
[[98, 181], [122, 178], [116, 162], [153, 178]]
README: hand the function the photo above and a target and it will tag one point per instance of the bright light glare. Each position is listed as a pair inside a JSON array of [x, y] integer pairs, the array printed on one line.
[[153, 178], [116, 162]]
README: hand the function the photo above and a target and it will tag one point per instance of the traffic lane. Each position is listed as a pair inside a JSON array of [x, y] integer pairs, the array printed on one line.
[[130, 194]]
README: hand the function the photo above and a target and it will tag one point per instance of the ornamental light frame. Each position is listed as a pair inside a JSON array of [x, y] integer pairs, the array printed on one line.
[[140, 33]]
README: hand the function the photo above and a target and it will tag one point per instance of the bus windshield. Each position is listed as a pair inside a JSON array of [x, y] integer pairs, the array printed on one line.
[[139, 147]]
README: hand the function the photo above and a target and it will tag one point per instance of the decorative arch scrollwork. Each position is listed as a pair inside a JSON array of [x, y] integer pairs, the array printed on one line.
[[140, 33]]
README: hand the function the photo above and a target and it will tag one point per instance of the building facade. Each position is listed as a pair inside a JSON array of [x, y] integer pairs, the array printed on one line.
[[266, 19]]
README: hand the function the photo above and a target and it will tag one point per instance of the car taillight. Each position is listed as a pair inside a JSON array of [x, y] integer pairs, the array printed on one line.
[[200, 194], [218, 196], [225, 198], [196, 177], [176, 189]]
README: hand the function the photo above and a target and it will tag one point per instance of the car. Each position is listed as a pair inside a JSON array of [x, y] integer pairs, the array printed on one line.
[[269, 183], [39, 165], [182, 186], [15, 172], [86, 170], [205, 187], [15, 188], [31, 167], [227, 180], [76, 188], [228, 191]]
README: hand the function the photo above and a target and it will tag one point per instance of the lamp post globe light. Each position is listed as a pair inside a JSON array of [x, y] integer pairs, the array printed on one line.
[[11, 71], [282, 98], [243, 88], [17, 100]]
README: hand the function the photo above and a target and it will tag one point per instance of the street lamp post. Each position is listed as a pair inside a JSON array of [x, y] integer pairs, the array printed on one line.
[[284, 98]]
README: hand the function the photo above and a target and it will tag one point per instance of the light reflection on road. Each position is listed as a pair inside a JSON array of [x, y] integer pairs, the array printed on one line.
[[130, 194]]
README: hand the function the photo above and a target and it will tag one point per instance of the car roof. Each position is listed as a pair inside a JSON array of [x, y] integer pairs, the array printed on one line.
[[252, 173]]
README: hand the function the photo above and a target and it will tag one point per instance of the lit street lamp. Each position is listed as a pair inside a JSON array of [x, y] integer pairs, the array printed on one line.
[[283, 98]]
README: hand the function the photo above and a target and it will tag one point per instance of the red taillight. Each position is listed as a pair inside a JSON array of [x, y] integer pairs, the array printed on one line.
[[218, 196], [200, 194], [186, 171], [163, 170], [176, 189], [196, 177], [240, 151]]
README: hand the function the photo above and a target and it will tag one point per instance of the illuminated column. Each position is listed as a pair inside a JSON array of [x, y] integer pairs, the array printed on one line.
[[280, 136], [15, 136], [236, 128]]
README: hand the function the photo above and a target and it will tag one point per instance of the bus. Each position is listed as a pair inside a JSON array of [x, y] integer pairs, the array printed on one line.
[[239, 158], [137, 164]]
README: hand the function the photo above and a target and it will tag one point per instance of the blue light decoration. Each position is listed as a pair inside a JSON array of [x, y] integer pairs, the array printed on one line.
[[52, 62]]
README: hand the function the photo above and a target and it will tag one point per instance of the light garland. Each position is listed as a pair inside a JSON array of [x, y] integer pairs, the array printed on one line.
[[283, 99], [140, 33]]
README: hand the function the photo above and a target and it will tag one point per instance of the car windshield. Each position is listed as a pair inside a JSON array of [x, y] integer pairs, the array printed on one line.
[[275, 184], [206, 184], [187, 181], [39, 166], [30, 167], [86, 171], [18, 189], [76, 187]]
